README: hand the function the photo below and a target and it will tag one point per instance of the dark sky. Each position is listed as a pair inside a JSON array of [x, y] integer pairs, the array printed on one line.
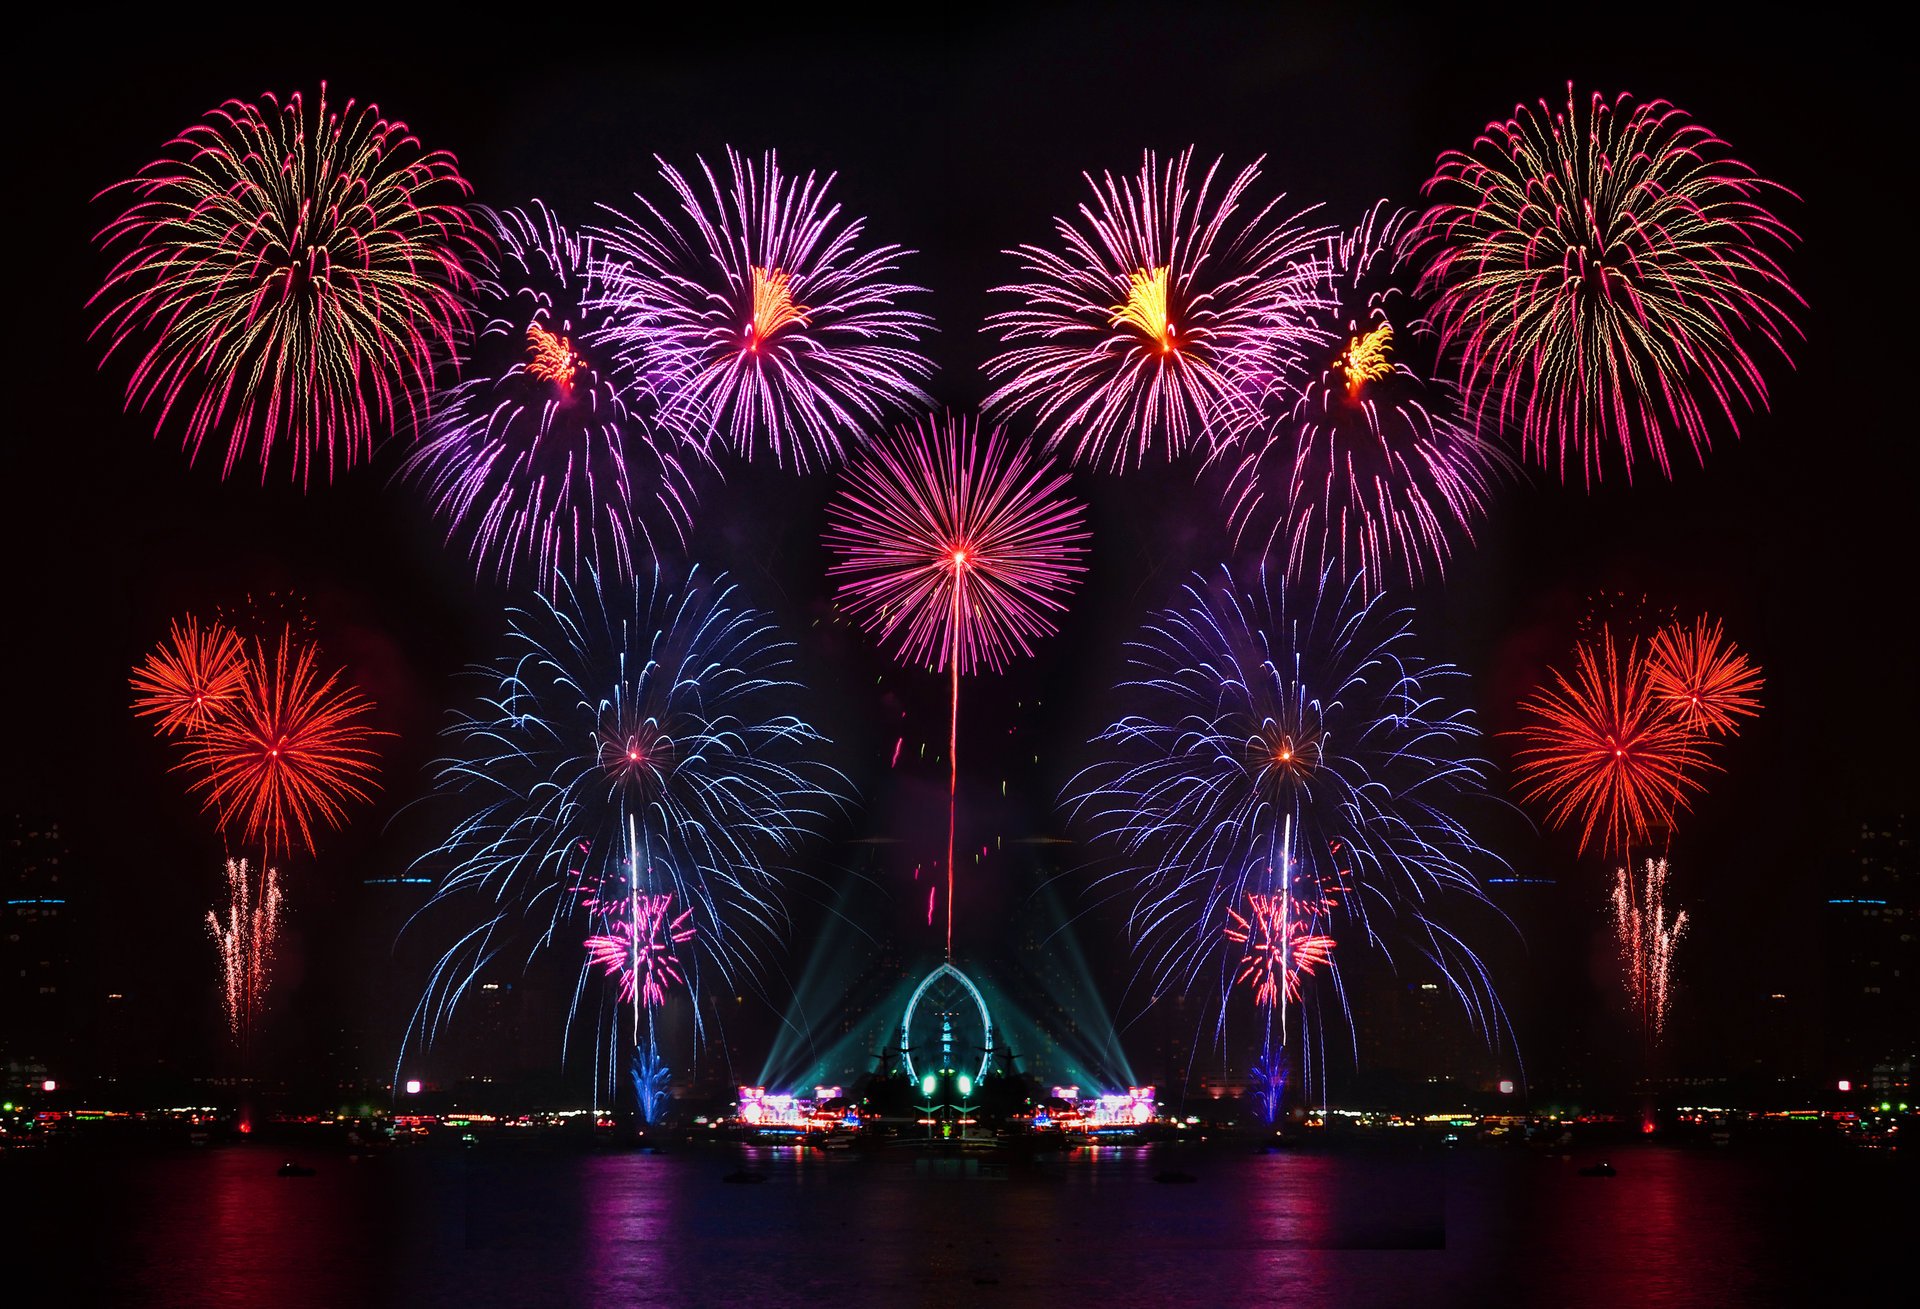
[[960, 140]]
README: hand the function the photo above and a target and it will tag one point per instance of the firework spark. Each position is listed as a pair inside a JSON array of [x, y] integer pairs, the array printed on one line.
[[1647, 938], [1595, 272], [1702, 678], [630, 742], [193, 677], [1281, 946], [636, 946], [763, 321], [289, 753], [288, 275], [1603, 751], [958, 550], [544, 453], [1366, 473], [1161, 320], [245, 939], [1287, 743]]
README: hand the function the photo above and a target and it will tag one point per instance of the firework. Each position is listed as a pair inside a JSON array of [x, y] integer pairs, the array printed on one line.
[[1597, 273], [1366, 473], [193, 677], [544, 452], [959, 551], [760, 316], [288, 275], [1287, 743], [1603, 751], [289, 753], [1702, 678], [1281, 947], [631, 742], [1647, 937], [1161, 319], [245, 939], [637, 947]]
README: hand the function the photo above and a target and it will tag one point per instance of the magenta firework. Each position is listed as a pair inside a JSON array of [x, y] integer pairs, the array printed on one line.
[[761, 315], [287, 278], [958, 551], [545, 458], [1606, 278], [1366, 472], [1162, 316]]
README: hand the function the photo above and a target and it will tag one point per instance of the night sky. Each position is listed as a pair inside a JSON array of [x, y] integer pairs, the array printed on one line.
[[960, 142]]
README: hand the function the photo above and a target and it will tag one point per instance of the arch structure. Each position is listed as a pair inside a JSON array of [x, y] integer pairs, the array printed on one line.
[[986, 1021]]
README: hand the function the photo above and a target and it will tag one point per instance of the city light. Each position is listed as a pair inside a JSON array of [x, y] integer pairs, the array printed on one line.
[[1845, 1085], [413, 1086], [1506, 1087], [49, 1086]]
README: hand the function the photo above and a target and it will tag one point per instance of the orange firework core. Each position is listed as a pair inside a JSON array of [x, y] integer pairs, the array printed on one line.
[[1146, 308], [773, 306], [553, 358], [1365, 358]]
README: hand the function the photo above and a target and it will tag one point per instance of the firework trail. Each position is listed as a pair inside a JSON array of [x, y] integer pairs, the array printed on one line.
[[288, 274], [245, 940], [1366, 472], [1287, 742], [635, 732], [544, 455], [759, 315], [192, 678], [289, 751], [1647, 937], [1702, 678], [959, 552], [1161, 319], [1606, 279], [1601, 749]]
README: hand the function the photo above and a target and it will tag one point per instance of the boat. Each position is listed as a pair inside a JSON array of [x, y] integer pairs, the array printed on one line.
[[292, 1169], [1598, 1170]]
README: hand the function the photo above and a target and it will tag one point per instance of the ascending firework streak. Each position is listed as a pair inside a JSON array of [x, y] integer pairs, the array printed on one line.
[[1287, 745], [639, 932], [1163, 322], [1593, 270], [1647, 938], [245, 939], [632, 732], [289, 273], [960, 549], [759, 317]]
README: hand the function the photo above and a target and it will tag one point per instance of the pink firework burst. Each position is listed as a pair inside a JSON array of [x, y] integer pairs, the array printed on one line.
[[1282, 946], [289, 275], [760, 316], [1161, 319], [959, 551], [638, 945]]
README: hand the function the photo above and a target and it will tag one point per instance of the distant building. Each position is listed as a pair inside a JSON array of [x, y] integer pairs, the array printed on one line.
[[37, 970], [1871, 916]]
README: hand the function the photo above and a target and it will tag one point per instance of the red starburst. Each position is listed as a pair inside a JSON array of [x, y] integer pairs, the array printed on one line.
[[193, 676], [1702, 678], [291, 750], [1282, 947], [1604, 750]]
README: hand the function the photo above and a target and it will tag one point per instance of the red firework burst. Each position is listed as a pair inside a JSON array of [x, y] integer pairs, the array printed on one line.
[[638, 947], [192, 678], [1702, 678], [291, 749], [1282, 947], [1604, 750]]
